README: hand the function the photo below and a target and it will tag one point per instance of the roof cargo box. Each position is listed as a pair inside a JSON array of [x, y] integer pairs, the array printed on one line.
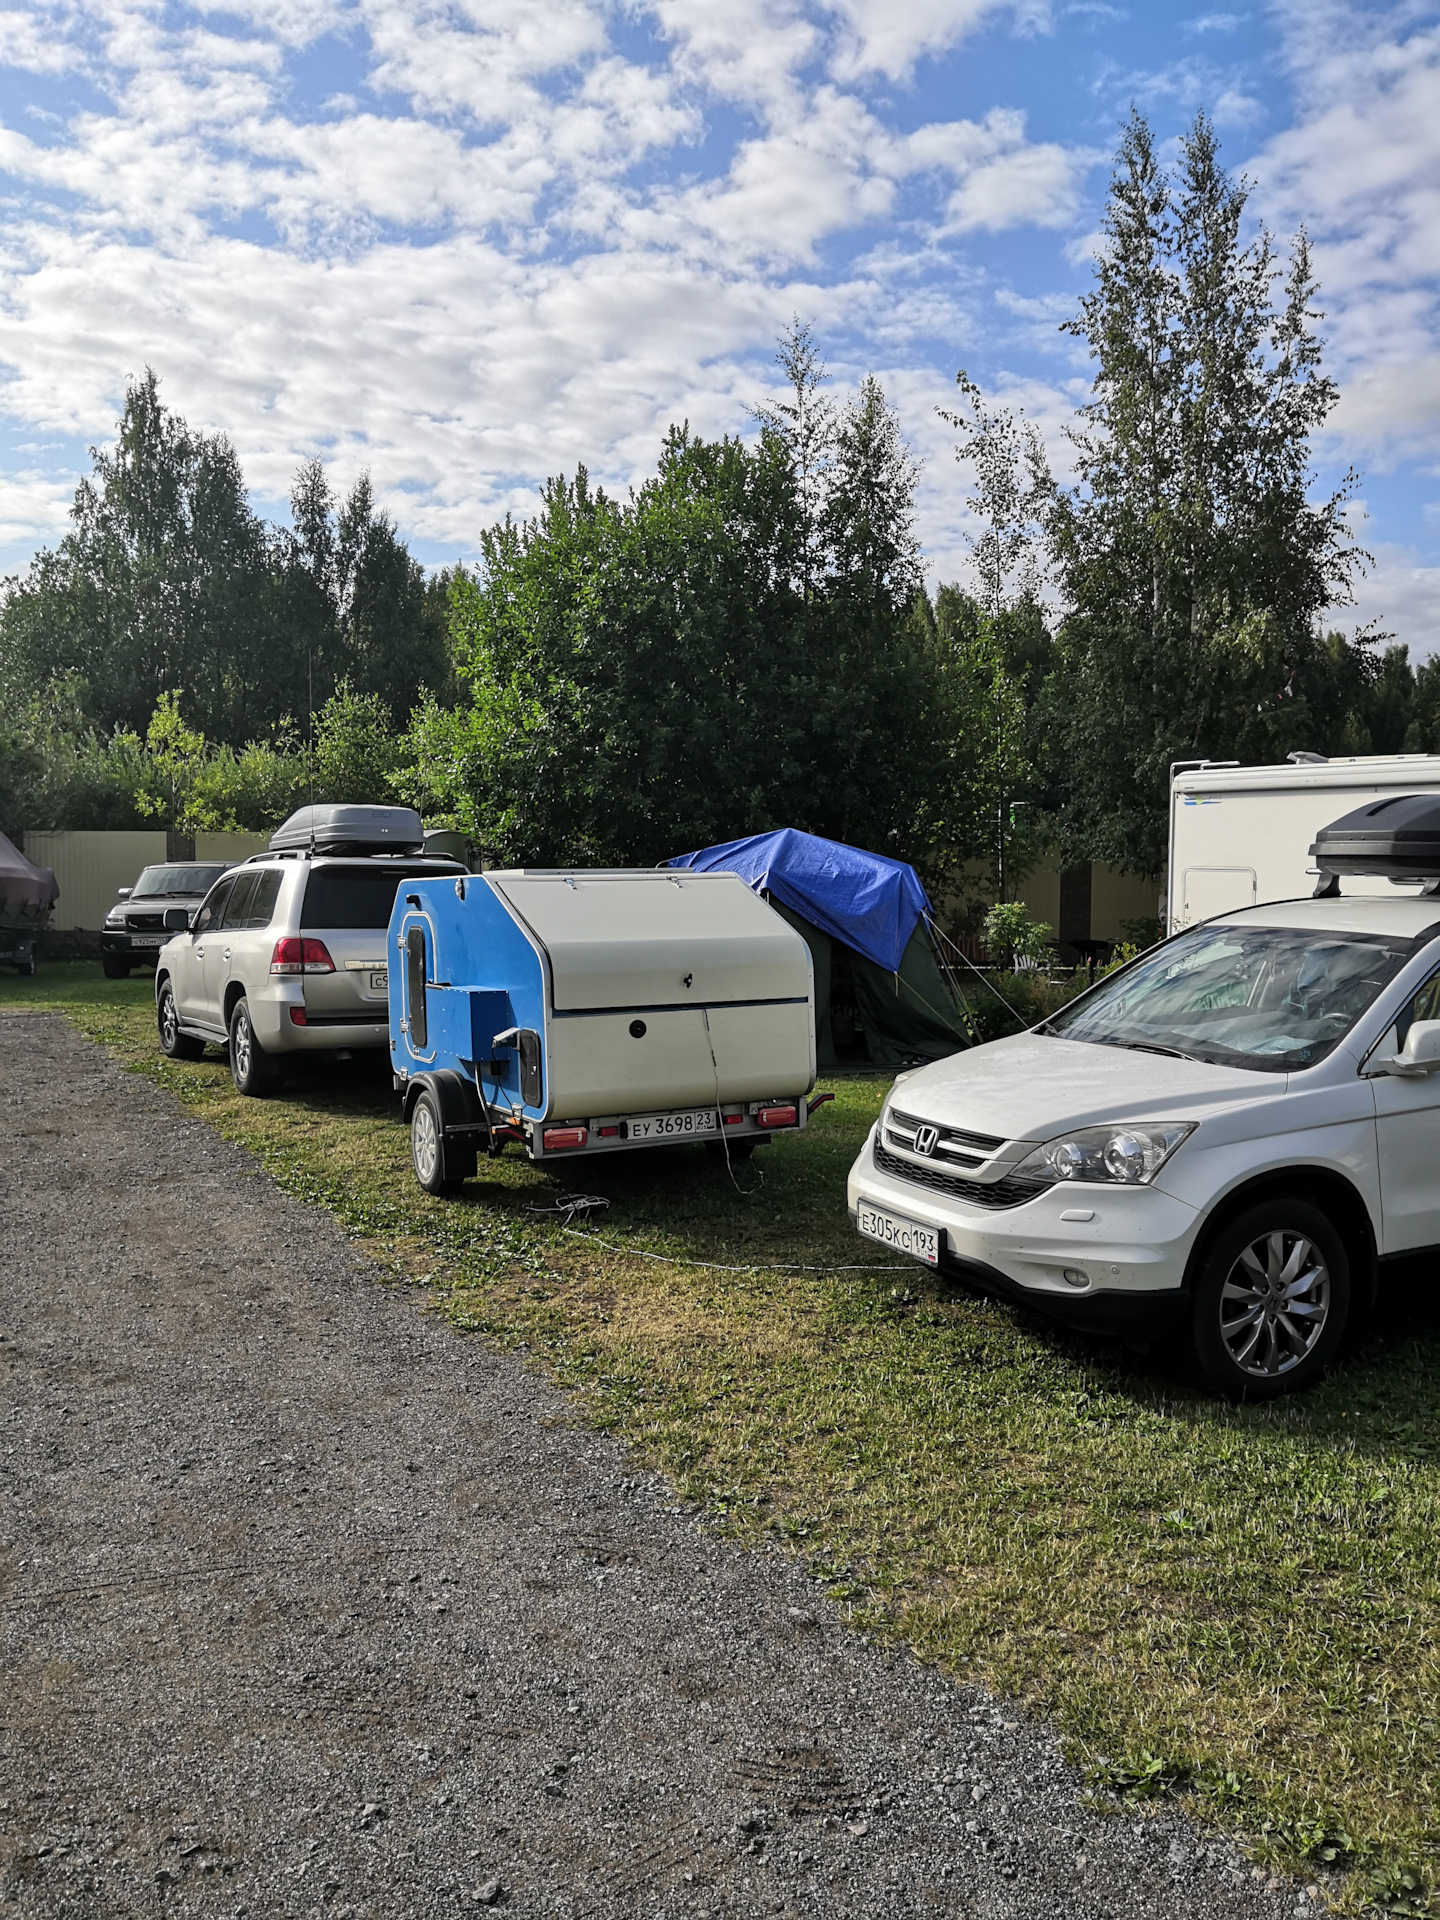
[[334, 829], [1397, 838]]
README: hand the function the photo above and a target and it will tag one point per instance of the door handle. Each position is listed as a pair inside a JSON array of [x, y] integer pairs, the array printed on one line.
[[199, 953], [226, 954]]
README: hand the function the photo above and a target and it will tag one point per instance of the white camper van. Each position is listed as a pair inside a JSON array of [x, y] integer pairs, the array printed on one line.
[[1241, 836]]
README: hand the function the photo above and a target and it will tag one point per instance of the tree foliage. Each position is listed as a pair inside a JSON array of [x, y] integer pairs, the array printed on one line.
[[1193, 564], [167, 580], [730, 649]]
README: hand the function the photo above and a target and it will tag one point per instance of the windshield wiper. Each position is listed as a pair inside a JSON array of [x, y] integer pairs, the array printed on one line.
[[1148, 1046]]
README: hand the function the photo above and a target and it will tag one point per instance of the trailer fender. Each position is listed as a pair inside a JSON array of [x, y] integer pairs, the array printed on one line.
[[462, 1118]]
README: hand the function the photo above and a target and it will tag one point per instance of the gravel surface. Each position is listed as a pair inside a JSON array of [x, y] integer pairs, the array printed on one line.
[[311, 1605]]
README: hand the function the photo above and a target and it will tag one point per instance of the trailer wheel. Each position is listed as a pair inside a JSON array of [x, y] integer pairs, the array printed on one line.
[[427, 1147], [114, 968]]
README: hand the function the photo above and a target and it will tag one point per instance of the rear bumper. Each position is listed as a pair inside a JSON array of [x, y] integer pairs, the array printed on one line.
[[325, 1030]]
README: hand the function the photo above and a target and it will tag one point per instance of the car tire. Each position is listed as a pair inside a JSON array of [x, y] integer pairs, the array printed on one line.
[[250, 1066], [25, 969], [1271, 1300], [114, 968], [428, 1155], [174, 1044]]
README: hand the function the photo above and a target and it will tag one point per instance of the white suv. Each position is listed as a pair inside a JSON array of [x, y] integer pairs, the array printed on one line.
[[285, 955], [1225, 1141]]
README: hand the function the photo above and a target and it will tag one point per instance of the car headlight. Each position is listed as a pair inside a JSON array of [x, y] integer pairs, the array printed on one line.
[[1125, 1156], [115, 918]]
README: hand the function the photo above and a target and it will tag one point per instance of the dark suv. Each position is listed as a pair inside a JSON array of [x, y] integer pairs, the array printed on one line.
[[134, 932]]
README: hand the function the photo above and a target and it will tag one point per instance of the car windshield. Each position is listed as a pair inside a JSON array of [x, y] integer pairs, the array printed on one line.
[[155, 880], [1273, 999]]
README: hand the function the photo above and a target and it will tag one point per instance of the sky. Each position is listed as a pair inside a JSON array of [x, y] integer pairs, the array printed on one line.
[[465, 244]]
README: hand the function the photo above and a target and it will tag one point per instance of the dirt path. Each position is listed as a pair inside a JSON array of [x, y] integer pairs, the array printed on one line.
[[311, 1606]]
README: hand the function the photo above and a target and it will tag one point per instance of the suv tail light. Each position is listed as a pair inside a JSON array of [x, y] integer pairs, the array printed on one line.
[[776, 1117], [293, 955]]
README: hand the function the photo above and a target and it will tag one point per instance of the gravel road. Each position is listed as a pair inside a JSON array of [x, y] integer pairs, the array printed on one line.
[[310, 1605]]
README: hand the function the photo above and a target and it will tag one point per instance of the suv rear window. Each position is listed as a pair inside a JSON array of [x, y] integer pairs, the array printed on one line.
[[358, 897]]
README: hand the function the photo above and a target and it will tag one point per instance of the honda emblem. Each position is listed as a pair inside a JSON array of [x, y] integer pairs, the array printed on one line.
[[926, 1140]]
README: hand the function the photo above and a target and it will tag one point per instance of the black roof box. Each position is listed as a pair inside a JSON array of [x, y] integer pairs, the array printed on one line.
[[1397, 838], [334, 829]]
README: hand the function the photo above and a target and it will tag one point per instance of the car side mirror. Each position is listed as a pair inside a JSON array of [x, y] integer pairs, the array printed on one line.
[[124, 892], [177, 920], [1420, 1053]]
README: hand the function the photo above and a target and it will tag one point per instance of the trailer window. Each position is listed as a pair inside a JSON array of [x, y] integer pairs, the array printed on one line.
[[1273, 999], [415, 987]]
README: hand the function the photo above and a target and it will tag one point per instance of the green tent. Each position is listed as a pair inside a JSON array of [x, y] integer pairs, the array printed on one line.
[[865, 1016], [883, 995]]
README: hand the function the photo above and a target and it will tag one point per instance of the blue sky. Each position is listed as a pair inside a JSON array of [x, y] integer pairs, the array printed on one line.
[[467, 243]]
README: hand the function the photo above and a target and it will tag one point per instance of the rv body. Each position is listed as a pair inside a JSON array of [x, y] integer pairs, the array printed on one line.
[[593, 1012], [1242, 836]]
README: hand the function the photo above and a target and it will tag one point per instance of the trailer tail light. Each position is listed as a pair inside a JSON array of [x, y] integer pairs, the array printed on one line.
[[297, 1016], [608, 1133], [294, 955], [734, 1119], [776, 1117], [558, 1138]]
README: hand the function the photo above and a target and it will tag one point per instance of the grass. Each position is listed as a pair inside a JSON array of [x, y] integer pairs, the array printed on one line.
[[1236, 1606]]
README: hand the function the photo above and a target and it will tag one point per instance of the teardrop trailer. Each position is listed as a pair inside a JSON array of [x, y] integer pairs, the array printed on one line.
[[594, 1012]]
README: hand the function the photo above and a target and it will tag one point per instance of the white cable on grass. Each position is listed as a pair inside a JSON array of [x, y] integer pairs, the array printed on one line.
[[714, 1266]]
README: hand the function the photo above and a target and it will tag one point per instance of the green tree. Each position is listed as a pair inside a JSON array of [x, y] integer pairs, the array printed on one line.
[[162, 581], [1192, 562], [731, 649]]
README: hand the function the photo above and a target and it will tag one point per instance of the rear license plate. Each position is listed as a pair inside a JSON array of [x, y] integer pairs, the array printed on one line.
[[380, 982], [676, 1126], [902, 1236], [147, 940]]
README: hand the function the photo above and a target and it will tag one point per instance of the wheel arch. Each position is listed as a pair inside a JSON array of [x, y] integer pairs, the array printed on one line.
[[234, 990], [1336, 1197]]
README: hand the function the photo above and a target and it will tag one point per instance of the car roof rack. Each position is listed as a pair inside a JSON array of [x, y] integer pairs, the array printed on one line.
[[1396, 838], [350, 829]]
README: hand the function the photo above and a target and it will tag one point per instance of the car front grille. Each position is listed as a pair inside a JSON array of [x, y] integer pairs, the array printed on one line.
[[954, 1146], [145, 922], [975, 1193]]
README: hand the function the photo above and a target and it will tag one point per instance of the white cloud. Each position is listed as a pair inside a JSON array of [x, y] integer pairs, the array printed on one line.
[[1361, 169], [879, 36], [1402, 595]]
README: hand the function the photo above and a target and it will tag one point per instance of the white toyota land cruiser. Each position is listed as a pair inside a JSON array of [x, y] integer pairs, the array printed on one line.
[[1224, 1141]]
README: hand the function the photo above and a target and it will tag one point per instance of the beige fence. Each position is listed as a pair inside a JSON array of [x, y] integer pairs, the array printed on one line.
[[90, 868]]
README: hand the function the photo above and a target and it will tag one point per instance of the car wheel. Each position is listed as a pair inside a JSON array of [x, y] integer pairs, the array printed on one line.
[[427, 1147], [114, 968], [25, 968], [250, 1065], [1271, 1301], [175, 1044]]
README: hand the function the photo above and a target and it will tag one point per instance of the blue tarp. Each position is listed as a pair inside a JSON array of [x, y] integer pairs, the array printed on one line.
[[868, 902]]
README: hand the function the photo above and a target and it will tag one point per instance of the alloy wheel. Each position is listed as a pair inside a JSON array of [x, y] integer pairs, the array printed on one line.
[[1274, 1304], [169, 1021], [240, 1048], [424, 1143]]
